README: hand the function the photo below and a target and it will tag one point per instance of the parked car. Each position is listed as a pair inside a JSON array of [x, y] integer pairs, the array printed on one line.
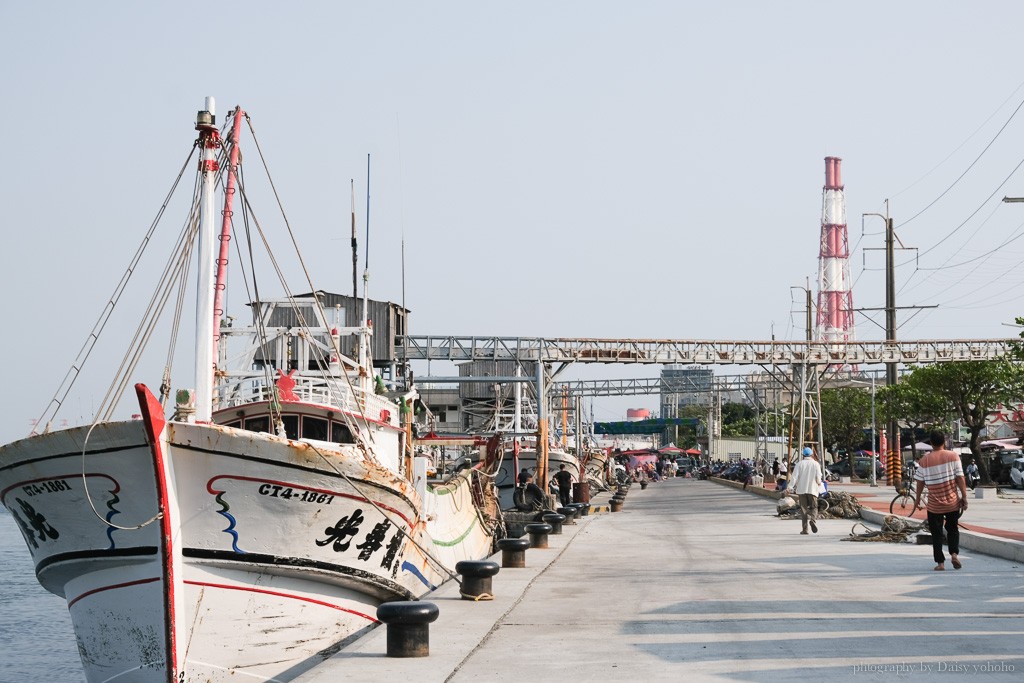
[[686, 464], [1001, 464], [1017, 473], [862, 466]]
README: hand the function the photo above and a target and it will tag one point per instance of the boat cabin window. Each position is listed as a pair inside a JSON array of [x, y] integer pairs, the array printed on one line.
[[314, 428], [258, 424], [291, 425], [236, 424], [341, 433]]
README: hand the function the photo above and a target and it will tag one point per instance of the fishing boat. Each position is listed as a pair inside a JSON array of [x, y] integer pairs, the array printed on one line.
[[526, 459], [595, 465], [246, 527]]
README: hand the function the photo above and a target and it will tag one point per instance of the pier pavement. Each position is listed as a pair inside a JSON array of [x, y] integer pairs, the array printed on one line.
[[697, 581]]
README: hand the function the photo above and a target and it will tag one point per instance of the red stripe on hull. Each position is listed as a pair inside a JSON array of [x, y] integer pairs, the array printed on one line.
[[111, 587], [250, 589]]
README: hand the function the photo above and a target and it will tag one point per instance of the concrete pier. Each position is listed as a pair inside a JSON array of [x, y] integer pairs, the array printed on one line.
[[701, 582]]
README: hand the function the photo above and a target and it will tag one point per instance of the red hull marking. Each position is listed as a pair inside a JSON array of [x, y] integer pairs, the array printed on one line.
[[76, 475], [154, 420], [211, 490], [112, 587], [249, 589]]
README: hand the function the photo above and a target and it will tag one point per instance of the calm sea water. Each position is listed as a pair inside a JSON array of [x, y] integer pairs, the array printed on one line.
[[37, 642]]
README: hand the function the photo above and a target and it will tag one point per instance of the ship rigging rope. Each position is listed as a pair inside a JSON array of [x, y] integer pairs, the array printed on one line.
[[55, 404], [88, 495], [369, 500], [361, 435], [346, 417], [174, 276], [254, 295]]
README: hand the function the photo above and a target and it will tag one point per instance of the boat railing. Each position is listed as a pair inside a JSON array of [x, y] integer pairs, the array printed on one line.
[[316, 390]]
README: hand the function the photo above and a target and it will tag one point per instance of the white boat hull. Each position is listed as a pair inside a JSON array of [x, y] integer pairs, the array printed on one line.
[[269, 552], [505, 480]]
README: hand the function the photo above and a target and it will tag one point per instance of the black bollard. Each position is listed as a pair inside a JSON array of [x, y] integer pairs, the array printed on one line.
[[538, 535], [408, 625], [476, 578], [513, 552], [555, 520], [616, 504], [584, 509], [569, 514]]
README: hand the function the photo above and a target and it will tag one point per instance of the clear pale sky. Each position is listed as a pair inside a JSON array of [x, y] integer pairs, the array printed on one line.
[[571, 169]]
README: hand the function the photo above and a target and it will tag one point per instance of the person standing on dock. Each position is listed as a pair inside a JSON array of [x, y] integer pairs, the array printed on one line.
[[805, 483], [564, 479], [943, 474]]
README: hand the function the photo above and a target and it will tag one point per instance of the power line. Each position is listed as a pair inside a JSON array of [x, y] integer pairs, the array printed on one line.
[[968, 169]]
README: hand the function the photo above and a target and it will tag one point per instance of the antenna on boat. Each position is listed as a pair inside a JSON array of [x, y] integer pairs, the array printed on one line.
[[355, 250], [364, 343]]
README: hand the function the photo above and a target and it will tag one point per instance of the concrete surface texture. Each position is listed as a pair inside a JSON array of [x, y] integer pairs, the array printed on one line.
[[700, 582]]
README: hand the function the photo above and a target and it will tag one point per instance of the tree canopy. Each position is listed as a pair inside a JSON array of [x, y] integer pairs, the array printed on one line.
[[969, 390], [844, 413]]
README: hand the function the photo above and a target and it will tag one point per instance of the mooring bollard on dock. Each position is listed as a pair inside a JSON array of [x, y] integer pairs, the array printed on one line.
[[555, 520], [569, 514], [616, 504], [513, 552], [408, 625], [476, 578], [538, 534]]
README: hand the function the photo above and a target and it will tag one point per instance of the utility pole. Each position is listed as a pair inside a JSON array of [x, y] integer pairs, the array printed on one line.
[[892, 431], [890, 336]]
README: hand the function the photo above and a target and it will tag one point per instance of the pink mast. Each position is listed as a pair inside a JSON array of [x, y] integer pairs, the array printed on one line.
[[835, 297], [225, 233]]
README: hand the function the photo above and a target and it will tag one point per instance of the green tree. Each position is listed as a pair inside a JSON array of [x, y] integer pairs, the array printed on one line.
[[909, 405], [738, 420], [844, 413], [686, 436], [972, 390]]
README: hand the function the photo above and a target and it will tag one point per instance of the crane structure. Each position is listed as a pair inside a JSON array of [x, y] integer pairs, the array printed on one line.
[[834, 322]]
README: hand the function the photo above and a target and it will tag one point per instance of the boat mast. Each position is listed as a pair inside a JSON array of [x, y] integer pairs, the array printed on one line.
[[364, 341], [355, 251], [225, 239], [209, 141]]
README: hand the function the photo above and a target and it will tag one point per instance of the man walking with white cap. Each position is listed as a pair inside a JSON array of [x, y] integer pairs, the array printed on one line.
[[805, 483]]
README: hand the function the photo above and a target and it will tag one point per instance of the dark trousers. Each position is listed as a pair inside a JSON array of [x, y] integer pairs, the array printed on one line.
[[808, 501], [563, 495], [936, 520]]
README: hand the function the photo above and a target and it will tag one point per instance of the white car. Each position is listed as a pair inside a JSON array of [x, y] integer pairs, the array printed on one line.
[[1017, 473]]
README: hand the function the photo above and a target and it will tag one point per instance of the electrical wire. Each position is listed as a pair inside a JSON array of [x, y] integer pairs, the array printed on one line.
[[962, 144], [968, 169]]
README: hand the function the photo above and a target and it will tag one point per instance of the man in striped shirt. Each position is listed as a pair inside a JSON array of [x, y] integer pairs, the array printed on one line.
[[942, 472]]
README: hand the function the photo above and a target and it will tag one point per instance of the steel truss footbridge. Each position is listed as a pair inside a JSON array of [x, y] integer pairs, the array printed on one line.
[[698, 352], [811, 362]]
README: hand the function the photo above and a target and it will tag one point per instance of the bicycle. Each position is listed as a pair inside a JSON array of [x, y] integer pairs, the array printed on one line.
[[903, 503]]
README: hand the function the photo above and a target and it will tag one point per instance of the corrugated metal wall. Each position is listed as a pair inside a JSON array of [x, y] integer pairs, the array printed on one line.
[[389, 320]]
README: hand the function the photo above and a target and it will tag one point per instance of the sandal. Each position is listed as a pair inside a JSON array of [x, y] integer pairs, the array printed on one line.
[[939, 568], [956, 563]]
